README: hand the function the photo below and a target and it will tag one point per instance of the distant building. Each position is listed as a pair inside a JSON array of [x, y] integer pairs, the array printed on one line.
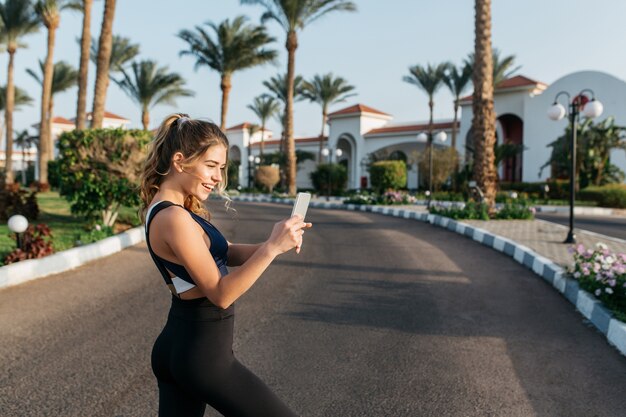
[[521, 106]]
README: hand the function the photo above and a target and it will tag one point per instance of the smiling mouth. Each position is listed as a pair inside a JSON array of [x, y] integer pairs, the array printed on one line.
[[208, 187]]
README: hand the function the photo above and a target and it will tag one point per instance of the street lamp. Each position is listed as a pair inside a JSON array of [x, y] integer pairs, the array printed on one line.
[[18, 224], [326, 152], [421, 137], [591, 108]]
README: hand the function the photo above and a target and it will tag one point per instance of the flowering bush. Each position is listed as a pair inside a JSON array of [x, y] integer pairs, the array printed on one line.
[[388, 198], [36, 243], [603, 274]]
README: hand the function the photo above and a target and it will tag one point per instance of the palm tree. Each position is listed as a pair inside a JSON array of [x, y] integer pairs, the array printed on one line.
[[278, 86], [294, 15], [24, 141], [264, 107], [64, 76], [326, 90], [17, 19], [122, 52], [103, 62], [503, 68], [49, 12], [21, 99], [457, 80], [484, 116], [237, 46], [429, 79], [83, 70], [149, 85]]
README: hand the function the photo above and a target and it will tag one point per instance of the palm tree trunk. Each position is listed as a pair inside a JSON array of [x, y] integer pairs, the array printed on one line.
[[104, 61], [24, 165], [454, 122], [85, 44], [262, 137], [292, 44], [319, 155], [145, 118], [484, 118], [45, 139], [8, 118], [51, 116], [225, 85]]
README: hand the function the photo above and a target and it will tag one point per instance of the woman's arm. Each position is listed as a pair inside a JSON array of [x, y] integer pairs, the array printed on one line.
[[189, 247], [239, 253]]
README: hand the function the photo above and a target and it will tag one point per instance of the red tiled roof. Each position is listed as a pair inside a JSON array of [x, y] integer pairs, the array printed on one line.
[[107, 115], [62, 121], [297, 140], [518, 81], [357, 108], [513, 82], [422, 127], [243, 126]]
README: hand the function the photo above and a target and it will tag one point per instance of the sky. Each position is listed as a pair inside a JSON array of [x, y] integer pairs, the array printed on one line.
[[371, 48]]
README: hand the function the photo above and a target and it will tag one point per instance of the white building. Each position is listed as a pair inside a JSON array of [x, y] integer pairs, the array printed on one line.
[[521, 106]]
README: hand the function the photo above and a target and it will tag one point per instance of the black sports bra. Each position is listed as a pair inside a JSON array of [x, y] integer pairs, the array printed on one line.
[[218, 249]]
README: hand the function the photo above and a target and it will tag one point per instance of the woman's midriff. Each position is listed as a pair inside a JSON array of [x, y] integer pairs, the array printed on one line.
[[195, 292]]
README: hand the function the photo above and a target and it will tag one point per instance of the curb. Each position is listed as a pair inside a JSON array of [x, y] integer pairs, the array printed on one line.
[[31, 269], [591, 308]]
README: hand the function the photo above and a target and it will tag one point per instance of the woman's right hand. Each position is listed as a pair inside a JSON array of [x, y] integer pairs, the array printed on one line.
[[287, 234]]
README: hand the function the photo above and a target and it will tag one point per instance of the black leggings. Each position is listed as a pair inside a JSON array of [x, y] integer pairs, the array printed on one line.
[[194, 364]]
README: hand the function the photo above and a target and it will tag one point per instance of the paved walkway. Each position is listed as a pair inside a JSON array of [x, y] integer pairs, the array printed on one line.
[[543, 237]]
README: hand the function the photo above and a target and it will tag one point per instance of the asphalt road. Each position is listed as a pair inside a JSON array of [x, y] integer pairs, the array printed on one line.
[[605, 225], [377, 316]]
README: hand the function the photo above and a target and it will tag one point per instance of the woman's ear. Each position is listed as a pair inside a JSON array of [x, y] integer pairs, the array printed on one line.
[[177, 159]]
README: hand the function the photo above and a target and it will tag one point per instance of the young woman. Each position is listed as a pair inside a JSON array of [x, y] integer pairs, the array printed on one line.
[[192, 358]]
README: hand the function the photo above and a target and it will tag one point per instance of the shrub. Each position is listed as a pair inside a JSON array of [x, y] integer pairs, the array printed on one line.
[[100, 170], [444, 164], [15, 200], [603, 274], [36, 243], [54, 176], [386, 175], [337, 174], [268, 176], [613, 195], [471, 211], [233, 173]]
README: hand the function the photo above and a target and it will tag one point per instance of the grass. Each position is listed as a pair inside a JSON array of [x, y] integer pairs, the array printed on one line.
[[66, 228]]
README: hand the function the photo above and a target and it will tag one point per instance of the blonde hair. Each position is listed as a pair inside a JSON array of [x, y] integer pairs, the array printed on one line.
[[191, 137]]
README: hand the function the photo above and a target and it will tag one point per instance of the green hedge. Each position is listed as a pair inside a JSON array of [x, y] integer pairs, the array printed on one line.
[[612, 195], [386, 175], [338, 178]]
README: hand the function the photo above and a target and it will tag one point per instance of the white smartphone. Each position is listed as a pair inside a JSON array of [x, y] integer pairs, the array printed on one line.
[[301, 205]]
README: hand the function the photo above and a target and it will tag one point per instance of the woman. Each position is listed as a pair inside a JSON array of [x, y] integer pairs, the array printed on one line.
[[192, 358]]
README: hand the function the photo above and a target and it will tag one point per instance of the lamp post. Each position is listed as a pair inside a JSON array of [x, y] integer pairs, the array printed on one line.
[[585, 101], [441, 137], [326, 152], [18, 224]]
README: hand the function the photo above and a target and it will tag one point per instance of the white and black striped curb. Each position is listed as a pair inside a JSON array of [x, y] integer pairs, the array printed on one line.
[[590, 307], [30, 269]]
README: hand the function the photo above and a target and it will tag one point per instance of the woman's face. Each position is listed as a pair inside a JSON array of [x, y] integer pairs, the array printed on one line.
[[205, 173]]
